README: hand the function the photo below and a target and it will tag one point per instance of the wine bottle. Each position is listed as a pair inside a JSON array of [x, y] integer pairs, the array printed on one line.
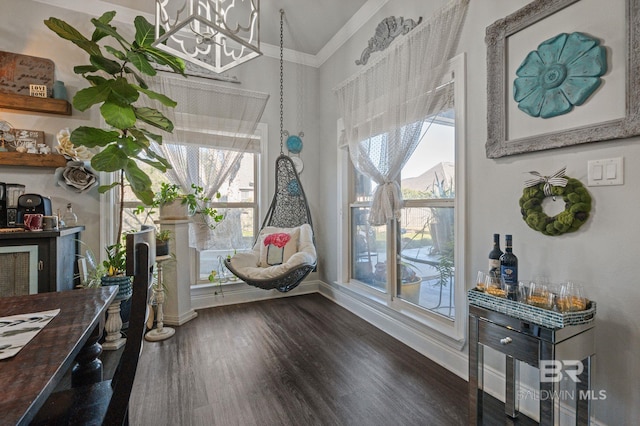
[[494, 256], [509, 269]]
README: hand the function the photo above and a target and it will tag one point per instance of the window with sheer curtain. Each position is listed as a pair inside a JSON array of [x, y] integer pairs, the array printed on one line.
[[238, 202], [403, 235], [216, 145], [415, 265], [386, 105]]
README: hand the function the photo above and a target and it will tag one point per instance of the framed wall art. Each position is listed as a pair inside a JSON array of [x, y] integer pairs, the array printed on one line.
[[610, 109]]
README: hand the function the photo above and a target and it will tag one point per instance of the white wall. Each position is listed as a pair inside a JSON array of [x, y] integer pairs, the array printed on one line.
[[602, 254]]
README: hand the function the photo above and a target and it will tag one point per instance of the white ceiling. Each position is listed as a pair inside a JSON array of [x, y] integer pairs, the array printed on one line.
[[313, 29], [309, 24]]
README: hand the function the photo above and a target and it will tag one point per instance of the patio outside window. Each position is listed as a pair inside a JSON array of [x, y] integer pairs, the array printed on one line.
[[424, 242]]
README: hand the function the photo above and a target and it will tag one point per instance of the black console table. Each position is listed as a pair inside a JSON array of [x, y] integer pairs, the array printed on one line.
[[55, 255], [523, 341]]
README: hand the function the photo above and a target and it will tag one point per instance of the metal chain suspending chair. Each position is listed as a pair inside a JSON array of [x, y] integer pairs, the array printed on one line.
[[288, 209]]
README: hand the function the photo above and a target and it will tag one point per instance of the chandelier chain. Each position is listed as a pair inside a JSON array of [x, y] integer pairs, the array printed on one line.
[[281, 81]]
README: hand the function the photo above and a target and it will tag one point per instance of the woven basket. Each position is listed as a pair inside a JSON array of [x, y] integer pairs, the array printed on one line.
[[544, 317]]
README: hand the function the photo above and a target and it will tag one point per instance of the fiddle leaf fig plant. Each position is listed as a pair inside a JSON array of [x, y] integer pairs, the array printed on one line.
[[128, 141]]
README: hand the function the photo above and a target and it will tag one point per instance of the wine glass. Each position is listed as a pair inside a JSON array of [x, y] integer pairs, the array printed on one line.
[[539, 295], [480, 281], [494, 285], [572, 297], [523, 291]]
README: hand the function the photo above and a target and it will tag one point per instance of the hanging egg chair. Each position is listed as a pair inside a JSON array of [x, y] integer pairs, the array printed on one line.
[[284, 251]]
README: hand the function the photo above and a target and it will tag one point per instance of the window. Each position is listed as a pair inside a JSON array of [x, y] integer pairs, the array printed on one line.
[[415, 265], [239, 202], [426, 229], [425, 239]]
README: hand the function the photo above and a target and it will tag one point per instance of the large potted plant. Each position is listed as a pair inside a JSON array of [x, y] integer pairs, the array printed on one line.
[[114, 75], [115, 82]]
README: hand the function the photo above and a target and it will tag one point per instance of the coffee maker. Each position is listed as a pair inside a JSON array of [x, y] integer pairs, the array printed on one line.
[[32, 203], [9, 194]]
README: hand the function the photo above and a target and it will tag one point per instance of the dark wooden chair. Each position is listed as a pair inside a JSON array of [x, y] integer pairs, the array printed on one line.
[[107, 402]]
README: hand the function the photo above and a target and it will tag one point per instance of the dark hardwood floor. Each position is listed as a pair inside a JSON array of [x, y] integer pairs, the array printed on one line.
[[294, 361]]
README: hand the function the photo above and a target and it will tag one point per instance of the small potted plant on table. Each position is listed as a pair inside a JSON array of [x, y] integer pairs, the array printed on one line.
[[162, 242], [115, 266]]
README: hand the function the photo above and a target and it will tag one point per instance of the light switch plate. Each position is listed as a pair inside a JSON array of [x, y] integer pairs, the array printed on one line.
[[605, 172]]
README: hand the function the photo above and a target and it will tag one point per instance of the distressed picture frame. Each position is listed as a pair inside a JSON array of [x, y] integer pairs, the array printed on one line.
[[613, 111]]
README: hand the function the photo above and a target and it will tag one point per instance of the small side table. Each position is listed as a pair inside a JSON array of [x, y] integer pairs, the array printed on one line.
[[536, 345], [160, 332]]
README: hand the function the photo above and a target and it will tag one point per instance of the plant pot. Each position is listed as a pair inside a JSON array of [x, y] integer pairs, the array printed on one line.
[[125, 290], [174, 210], [411, 290], [162, 248]]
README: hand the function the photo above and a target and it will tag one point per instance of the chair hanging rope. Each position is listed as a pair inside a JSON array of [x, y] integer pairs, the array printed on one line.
[[288, 209]]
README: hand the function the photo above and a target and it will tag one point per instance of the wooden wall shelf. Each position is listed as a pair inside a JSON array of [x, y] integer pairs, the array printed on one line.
[[21, 159], [32, 103]]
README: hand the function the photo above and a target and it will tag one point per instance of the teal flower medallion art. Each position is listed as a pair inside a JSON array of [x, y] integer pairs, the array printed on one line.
[[561, 74]]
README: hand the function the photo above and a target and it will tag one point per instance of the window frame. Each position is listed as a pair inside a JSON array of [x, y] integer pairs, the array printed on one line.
[[454, 331], [236, 205], [110, 203]]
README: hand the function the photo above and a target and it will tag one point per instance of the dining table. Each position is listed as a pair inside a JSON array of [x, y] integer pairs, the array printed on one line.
[[70, 341]]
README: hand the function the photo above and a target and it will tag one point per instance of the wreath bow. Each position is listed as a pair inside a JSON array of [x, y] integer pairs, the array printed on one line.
[[555, 179]]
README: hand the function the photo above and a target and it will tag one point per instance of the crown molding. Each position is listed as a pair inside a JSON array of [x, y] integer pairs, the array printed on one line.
[[289, 55], [127, 15], [360, 18]]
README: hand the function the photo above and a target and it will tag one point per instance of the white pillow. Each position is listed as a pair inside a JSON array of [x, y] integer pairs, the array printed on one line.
[[277, 245], [247, 263]]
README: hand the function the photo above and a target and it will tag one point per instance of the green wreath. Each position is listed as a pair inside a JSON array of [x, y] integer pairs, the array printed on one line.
[[576, 209]]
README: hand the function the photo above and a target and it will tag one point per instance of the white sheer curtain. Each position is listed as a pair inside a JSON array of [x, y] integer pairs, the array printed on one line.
[[214, 126], [385, 105]]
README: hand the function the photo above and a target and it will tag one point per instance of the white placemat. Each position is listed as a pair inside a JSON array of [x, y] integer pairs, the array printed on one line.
[[17, 330]]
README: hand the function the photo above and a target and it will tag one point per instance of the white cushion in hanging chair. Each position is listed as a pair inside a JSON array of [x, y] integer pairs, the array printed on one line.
[[277, 245], [247, 263]]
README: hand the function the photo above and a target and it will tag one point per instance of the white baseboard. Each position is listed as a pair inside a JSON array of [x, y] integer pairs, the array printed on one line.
[[208, 296], [181, 319]]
